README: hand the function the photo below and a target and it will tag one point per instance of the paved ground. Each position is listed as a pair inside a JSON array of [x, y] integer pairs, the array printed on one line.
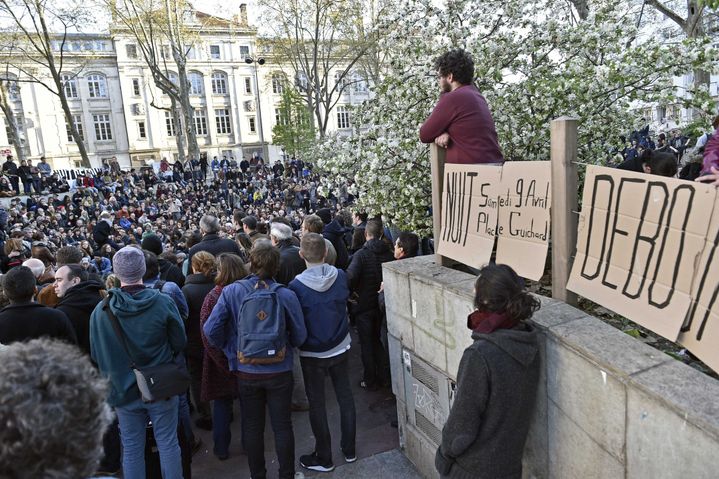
[[375, 411]]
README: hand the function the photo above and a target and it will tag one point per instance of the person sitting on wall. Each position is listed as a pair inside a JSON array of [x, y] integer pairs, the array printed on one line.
[[461, 121], [497, 382]]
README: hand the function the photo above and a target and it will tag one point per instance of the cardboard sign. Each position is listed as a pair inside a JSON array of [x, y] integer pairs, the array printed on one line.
[[524, 217], [700, 332], [511, 202], [639, 238], [469, 212]]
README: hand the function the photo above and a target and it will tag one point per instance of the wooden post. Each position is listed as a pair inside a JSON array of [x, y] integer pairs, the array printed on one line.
[[564, 205], [436, 160]]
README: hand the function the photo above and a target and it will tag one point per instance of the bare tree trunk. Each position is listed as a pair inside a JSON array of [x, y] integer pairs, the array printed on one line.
[[14, 129], [177, 120], [193, 149]]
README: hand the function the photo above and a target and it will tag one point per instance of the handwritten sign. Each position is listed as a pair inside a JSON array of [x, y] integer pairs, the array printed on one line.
[[484, 202], [700, 331], [639, 238], [524, 217], [469, 212]]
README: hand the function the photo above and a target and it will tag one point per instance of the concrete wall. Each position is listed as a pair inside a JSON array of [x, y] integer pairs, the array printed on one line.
[[609, 406]]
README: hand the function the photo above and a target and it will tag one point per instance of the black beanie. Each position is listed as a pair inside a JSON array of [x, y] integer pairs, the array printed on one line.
[[152, 243], [325, 215]]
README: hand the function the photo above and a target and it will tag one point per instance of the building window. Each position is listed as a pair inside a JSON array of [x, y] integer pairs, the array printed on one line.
[[222, 118], [102, 126], [360, 83], [244, 51], [131, 50], [170, 124], [77, 120], [136, 86], [192, 53], [69, 84], [343, 117], [165, 52], [253, 124], [141, 129], [219, 83], [13, 90], [215, 52], [194, 81], [97, 86], [277, 86], [248, 85], [302, 81], [340, 80], [200, 121]]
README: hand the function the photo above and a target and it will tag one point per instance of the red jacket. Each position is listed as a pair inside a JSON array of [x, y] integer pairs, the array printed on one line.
[[217, 380], [464, 114]]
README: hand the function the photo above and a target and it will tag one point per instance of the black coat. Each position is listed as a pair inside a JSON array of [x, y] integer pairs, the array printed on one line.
[[101, 232], [196, 288], [487, 426], [22, 322], [335, 232], [170, 272], [291, 264], [365, 273], [212, 243], [78, 304]]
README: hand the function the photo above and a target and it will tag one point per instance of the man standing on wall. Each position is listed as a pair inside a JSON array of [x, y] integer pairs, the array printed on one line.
[[461, 121]]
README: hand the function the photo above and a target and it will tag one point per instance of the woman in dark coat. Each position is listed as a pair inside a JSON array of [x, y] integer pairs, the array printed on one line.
[[497, 381], [219, 385], [196, 287]]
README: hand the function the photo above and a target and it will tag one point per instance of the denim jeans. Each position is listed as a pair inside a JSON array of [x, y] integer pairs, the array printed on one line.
[[133, 419], [275, 394], [221, 434], [314, 371]]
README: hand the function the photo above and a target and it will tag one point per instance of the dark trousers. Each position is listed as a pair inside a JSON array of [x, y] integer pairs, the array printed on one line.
[[314, 371], [368, 325], [194, 366], [112, 454], [15, 182], [221, 433], [27, 186], [37, 185], [275, 394]]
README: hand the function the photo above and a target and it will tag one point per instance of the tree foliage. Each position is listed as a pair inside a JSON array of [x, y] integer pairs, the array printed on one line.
[[323, 44], [532, 68], [293, 132], [33, 49]]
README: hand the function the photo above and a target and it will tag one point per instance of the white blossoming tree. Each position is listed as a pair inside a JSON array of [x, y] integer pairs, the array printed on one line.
[[535, 60]]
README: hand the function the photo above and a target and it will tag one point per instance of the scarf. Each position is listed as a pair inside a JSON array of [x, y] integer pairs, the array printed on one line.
[[485, 322]]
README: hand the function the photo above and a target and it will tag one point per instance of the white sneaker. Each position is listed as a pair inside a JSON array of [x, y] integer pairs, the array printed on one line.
[[299, 475]]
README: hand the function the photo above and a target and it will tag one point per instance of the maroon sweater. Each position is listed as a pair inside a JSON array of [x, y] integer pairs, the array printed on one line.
[[464, 114]]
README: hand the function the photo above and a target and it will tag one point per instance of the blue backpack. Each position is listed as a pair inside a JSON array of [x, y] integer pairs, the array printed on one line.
[[262, 329]]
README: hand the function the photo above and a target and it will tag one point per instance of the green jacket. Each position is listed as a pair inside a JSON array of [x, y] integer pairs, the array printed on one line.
[[154, 333]]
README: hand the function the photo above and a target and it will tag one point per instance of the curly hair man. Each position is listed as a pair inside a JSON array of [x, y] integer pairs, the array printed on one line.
[[461, 121], [53, 411]]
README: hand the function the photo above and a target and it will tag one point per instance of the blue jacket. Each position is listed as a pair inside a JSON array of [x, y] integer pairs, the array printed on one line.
[[154, 333], [323, 292], [221, 327], [173, 291]]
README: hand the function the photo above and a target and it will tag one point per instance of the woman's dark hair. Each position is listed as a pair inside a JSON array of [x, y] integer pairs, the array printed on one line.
[[457, 62], [152, 265], [229, 269], [499, 289], [663, 164], [265, 261]]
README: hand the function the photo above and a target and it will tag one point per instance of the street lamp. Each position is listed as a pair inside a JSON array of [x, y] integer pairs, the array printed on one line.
[[256, 62]]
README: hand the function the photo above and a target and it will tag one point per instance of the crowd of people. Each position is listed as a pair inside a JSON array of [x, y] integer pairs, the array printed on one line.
[[176, 260], [672, 155]]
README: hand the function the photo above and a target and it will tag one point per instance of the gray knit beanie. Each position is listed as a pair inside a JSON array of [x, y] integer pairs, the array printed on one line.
[[128, 264]]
